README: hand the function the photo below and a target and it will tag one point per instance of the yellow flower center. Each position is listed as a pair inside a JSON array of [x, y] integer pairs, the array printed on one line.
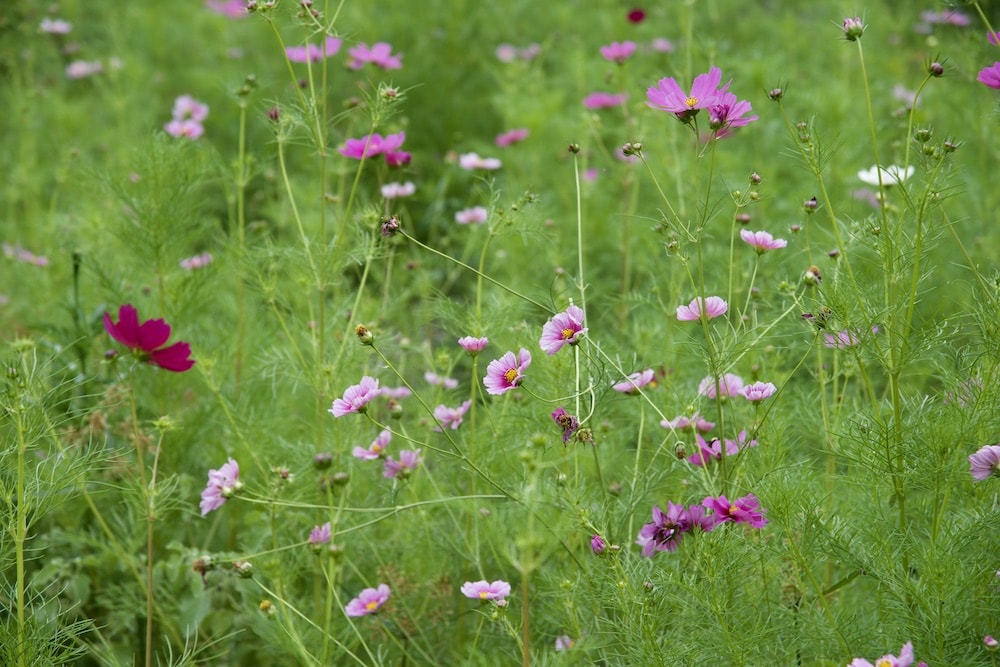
[[511, 375], [376, 448], [370, 606], [883, 663], [567, 333], [483, 595], [691, 102]]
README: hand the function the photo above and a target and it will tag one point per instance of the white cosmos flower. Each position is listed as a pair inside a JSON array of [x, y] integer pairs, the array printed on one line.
[[890, 175]]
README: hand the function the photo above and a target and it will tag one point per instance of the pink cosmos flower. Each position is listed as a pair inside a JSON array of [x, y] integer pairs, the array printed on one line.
[[407, 463], [728, 112], [729, 386], [81, 69], [55, 26], [146, 340], [990, 76], [684, 423], [24, 255], [993, 38], [665, 531], [709, 451], [507, 372], [372, 145], [618, 52], [985, 462], [758, 391], [470, 161], [853, 28], [311, 53], [762, 241], [450, 417], [187, 129], [564, 643], [506, 53], [484, 590], [952, 17], [320, 534], [368, 601], [222, 484], [376, 450], [742, 510], [438, 381], [380, 55], [905, 659], [473, 345], [511, 137], [710, 307], [398, 190], [844, 339], [661, 45], [669, 96], [475, 215], [598, 545], [356, 397], [567, 422], [187, 106], [604, 100], [234, 9], [562, 329], [634, 382], [196, 262]]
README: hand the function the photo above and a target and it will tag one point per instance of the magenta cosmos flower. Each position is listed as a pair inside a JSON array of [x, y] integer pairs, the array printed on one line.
[[905, 659], [380, 55], [320, 534], [729, 386], [356, 397], [710, 307], [368, 601], [407, 463], [473, 345], [376, 450], [757, 392], [634, 382], [311, 53], [990, 76], [618, 52], [665, 531], [742, 510], [601, 100], [146, 340], [485, 590], [507, 372], [511, 137], [762, 241], [567, 422], [727, 111], [222, 484], [375, 144], [667, 95], [562, 329], [450, 417], [713, 451], [985, 462]]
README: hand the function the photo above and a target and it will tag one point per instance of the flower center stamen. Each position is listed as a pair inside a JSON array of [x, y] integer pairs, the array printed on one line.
[[691, 102], [567, 333], [510, 375]]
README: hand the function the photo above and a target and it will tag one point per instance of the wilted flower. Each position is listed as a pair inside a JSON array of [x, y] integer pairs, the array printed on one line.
[[567, 422], [222, 484], [985, 462], [564, 643], [368, 601], [146, 340], [484, 590], [710, 307], [728, 111], [356, 397], [562, 329]]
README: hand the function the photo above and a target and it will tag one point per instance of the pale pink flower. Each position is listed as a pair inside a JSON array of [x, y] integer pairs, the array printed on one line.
[[484, 590], [844, 339], [729, 386], [473, 345], [905, 659], [952, 17], [55, 26], [984, 463], [438, 381], [562, 329], [618, 52], [601, 100], [81, 69], [507, 372], [395, 392], [472, 161], [311, 53], [475, 215], [758, 391], [506, 53], [356, 397], [634, 382], [24, 255], [450, 417], [685, 423], [529, 52], [408, 462], [222, 484], [661, 45], [368, 601], [710, 307], [398, 190], [376, 450], [320, 534], [197, 261], [187, 106], [380, 55], [188, 128], [511, 137], [762, 241]]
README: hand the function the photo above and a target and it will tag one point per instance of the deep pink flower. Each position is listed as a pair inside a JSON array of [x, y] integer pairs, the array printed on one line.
[[665, 531], [511, 137], [311, 53], [990, 76], [993, 38], [567, 422], [635, 15], [728, 112], [376, 450], [320, 534], [234, 9], [710, 307], [713, 450], [372, 145], [562, 329], [470, 161], [356, 397], [450, 417], [368, 601], [475, 215], [407, 463], [742, 510], [473, 345], [604, 100], [222, 484], [507, 372], [729, 386], [598, 545], [634, 382], [985, 462], [669, 96], [905, 659], [762, 241], [146, 340], [484, 590], [684, 423], [618, 52], [380, 55], [758, 391]]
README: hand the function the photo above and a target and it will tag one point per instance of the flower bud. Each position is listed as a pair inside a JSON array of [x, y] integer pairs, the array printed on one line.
[[266, 608], [812, 276], [991, 643], [775, 94], [598, 545], [853, 28], [755, 178], [574, 148], [364, 335], [243, 569], [935, 69], [810, 205], [923, 135], [323, 460]]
